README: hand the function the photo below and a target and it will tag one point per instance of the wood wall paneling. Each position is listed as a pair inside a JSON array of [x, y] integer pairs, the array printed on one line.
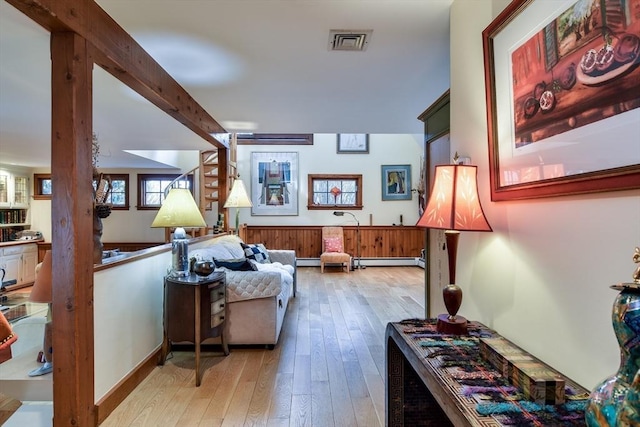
[[376, 241]]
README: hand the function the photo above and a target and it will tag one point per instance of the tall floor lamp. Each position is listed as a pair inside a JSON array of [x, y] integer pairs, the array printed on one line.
[[341, 213], [454, 206]]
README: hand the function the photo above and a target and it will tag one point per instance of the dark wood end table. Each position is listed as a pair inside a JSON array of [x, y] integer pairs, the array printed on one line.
[[194, 310]]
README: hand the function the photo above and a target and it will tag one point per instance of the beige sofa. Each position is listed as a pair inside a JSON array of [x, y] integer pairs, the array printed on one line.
[[257, 299]]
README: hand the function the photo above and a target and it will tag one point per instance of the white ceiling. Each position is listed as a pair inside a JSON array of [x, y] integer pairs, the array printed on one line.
[[259, 62]]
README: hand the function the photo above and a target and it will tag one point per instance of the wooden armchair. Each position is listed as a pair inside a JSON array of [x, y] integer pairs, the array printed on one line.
[[333, 249]]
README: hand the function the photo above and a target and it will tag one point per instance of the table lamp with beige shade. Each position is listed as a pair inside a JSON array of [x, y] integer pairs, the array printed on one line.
[[179, 210], [238, 198]]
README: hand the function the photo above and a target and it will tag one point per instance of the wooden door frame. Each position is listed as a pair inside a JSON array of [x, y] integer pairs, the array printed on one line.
[[436, 125]]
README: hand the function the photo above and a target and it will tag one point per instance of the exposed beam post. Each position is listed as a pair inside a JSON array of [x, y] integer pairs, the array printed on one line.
[[72, 228]]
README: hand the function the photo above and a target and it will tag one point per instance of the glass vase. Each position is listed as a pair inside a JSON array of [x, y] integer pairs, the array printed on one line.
[[613, 399]]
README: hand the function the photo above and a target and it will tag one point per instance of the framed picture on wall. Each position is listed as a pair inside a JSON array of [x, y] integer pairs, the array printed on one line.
[[353, 143], [396, 182], [274, 183], [562, 94]]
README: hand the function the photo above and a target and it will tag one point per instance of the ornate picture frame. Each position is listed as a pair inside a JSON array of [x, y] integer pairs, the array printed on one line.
[[591, 142]]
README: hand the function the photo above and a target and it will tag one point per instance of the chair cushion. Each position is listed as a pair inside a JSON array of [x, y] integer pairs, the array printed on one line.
[[257, 252], [333, 244], [335, 257]]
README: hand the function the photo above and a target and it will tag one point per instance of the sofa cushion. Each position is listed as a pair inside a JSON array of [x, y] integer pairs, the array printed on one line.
[[239, 264], [257, 252], [223, 250]]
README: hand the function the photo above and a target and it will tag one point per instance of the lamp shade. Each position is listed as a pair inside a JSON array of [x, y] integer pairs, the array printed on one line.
[[179, 210], [42, 289], [454, 203], [238, 197]]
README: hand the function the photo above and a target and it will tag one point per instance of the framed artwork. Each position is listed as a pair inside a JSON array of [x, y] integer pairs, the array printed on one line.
[[562, 90], [353, 143], [396, 182], [274, 183]]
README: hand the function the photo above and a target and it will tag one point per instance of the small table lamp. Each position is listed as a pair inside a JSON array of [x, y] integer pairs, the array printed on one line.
[[454, 206], [179, 210], [238, 198], [42, 292]]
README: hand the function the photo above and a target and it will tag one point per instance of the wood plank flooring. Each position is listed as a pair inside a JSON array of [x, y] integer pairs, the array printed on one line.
[[327, 369]]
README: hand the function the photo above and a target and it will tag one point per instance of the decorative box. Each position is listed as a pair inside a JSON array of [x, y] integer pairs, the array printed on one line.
[[537, 381]]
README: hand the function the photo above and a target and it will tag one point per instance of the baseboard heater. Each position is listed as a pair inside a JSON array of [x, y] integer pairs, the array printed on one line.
[[369, 262]]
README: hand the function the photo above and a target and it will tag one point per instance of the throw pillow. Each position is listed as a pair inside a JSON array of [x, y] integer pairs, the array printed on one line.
[[240, 264], [333, 244], [257, 252]]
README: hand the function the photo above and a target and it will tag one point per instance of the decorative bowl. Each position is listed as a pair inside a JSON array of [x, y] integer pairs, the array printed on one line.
[[203, 268]]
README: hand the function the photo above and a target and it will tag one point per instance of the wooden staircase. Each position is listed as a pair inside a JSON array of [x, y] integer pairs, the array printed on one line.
[[217, 173], [209, 179]]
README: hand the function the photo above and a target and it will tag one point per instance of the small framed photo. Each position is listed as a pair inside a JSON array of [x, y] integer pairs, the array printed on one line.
[[353, 143], [396, 182]]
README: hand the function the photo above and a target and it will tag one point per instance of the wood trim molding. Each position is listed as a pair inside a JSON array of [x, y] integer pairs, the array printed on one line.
[[106, 405]]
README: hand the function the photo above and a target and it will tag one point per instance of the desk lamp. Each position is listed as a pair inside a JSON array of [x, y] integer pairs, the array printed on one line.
[[359, 266], [179, 210], [238, 198], [42, 292], [454, 206]]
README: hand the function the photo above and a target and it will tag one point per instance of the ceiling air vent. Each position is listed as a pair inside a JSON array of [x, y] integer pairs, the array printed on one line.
[[357, 40]]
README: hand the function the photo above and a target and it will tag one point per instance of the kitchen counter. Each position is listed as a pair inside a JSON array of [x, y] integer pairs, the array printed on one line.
[[20, 242]]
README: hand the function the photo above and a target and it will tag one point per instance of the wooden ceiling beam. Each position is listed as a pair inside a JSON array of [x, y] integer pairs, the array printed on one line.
[[120, 55]]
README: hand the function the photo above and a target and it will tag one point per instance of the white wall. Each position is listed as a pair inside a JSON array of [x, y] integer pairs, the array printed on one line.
[[128, 332], [133, 225], [542, 277], [321, 158]]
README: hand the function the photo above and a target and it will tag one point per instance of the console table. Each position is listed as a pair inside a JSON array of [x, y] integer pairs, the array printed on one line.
[[194, 309], [440, 380]]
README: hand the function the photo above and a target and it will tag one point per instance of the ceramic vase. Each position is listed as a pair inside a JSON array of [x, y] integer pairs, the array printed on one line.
[[615, 399], [629, 414]]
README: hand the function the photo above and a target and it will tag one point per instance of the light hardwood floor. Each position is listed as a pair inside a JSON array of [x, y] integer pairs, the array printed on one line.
[[327, 369]]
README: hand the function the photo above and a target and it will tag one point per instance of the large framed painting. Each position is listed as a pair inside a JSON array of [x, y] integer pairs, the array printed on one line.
[[563, 95], [396, 182], [274, 183]]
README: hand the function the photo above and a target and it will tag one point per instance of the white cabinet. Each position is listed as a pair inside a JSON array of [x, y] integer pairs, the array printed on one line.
[[14, 204], [19, 263], [4, 189], [14, 190], [12, 265], [29, 262]]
